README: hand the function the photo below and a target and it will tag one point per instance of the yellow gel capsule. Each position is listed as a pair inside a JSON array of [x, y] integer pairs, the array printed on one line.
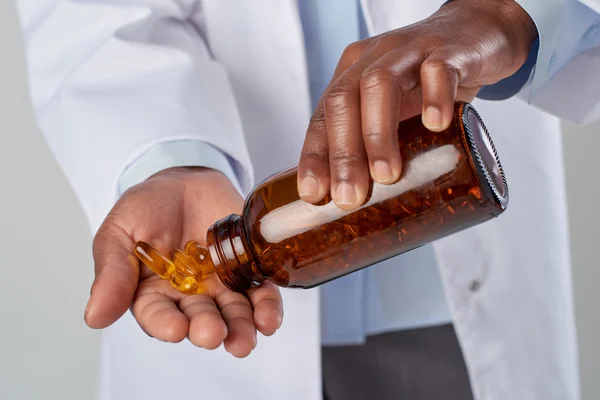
[[185, 284], [151, 258], [201, 256], [185, 264], [182, 271]]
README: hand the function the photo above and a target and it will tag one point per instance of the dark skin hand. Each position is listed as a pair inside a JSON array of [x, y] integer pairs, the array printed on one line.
[[420, 69], [167, 210]]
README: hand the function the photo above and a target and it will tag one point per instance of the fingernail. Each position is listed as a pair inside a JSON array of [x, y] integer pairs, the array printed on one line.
[[309, 186], [345, 194], [432, 119], [382, 171]]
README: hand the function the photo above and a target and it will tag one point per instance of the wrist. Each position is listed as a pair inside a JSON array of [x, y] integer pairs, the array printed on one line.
[[506, 17], [191, 172], [194, 179], [518, 27], [514, 15], [509, 12]]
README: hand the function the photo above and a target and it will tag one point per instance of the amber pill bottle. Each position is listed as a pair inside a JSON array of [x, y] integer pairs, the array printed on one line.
[[451, 180]]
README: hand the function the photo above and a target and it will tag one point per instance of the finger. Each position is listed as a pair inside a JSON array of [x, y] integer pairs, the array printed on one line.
[[441, 74], [117, 271], [380, 105], [390, 92], [350, 161], [268, 308], [207, 328], [157, 313], [348, 166], [313, 167], [238, 315]]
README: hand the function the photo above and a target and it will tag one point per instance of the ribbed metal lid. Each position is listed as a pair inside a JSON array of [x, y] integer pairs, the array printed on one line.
[[485, 157]]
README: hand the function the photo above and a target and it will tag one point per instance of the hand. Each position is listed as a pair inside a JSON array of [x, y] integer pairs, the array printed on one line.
[[167, 210], [423, 68]]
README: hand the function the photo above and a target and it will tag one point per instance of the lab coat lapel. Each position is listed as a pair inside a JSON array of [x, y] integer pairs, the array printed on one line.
[[266, 63]]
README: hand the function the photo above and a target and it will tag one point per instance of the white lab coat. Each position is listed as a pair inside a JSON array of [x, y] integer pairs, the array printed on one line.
[[109, 79]]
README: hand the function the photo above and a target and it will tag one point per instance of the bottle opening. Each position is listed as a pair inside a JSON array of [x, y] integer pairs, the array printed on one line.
[[232, 262], [485, 156]]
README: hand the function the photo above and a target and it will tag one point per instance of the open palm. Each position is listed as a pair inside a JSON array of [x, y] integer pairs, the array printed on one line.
[[167, 210]]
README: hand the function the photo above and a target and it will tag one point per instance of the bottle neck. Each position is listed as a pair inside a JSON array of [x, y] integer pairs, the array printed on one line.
[[230, 254]]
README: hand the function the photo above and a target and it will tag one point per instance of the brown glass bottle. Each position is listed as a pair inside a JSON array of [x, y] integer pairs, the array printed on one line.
[[451, 180]]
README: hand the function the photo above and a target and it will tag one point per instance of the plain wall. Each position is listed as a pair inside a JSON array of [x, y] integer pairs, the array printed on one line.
[[46, 351], [581, 146]]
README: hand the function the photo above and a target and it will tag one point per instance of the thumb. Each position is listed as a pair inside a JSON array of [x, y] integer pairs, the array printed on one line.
[[117, 273]]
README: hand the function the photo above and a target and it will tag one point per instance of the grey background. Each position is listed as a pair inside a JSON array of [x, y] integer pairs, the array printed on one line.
[[47, 352]]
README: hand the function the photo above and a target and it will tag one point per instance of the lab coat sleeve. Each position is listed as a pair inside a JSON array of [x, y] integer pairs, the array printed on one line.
[[561, 75], [109, 80], [183, 153]]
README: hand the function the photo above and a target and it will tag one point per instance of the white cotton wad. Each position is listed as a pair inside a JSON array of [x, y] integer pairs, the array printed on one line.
[[300, 216]]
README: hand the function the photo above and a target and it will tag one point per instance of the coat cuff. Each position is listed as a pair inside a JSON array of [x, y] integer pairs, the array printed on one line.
[[511, 86], [172, 154], [562, 26], [563, 31]]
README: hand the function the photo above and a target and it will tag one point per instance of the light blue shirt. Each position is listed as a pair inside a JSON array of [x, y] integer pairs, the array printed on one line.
[[356, 305]]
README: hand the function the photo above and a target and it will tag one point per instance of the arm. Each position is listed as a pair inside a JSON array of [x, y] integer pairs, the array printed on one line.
[[124, 91], [111, 80], [561, 75]]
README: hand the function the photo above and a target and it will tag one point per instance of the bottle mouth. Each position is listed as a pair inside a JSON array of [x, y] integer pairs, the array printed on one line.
[[232, 261], [485, 157]]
